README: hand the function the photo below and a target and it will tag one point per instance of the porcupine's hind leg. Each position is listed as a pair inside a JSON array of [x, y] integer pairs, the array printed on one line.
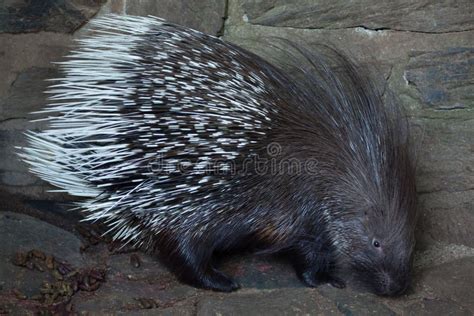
[[191, 261], [314, 262]]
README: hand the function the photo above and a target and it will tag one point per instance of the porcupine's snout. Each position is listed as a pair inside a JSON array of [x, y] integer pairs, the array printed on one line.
[[392, 285], [391, 278]]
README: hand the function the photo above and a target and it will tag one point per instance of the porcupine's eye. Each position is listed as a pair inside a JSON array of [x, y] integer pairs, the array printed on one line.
[[376, 243]]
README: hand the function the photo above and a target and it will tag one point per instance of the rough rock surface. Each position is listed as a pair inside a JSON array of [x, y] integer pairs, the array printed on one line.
[[20, 232], [450, 280], [403, 15], [25, 64], [65, 16], [204, 15], [445, 79], [424, 51]]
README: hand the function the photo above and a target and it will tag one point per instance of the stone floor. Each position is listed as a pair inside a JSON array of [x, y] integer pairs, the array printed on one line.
[[71, 269]]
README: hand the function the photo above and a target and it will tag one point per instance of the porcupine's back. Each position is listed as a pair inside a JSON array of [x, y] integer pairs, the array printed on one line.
[[145, 114]]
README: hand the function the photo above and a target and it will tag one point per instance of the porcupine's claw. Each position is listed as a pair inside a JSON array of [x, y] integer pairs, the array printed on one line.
[[211, 279], [218, 281], [192, 263], [337, 283]]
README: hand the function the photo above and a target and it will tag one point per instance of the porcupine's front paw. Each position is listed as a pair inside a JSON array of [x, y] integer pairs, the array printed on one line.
[[314, 261], [313, 279]]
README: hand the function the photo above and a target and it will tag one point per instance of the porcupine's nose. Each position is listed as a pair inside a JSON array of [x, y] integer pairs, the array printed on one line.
[[392, 285]]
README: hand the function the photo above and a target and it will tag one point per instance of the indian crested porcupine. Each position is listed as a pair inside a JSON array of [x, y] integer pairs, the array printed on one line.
[[188, 146]]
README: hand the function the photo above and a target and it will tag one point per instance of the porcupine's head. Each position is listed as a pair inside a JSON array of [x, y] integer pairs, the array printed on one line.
[[381, 250], [373, 184], [380, 237], [366, 179]]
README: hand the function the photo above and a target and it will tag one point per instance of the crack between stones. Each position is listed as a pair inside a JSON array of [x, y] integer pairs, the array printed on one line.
[[387, 81], [17, 75], [12, 118], [444, 190], [221, 31], [424, 117], [70, 33], [361, 27], [400, 30]]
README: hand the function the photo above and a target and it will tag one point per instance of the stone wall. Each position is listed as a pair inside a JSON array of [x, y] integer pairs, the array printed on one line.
[[424, 48]]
